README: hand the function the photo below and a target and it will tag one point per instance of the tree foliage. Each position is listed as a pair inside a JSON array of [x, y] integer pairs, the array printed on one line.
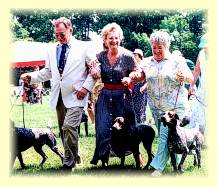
[[186, 27]]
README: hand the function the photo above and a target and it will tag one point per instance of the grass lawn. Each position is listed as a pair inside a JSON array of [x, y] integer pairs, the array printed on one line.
[[37, 115]]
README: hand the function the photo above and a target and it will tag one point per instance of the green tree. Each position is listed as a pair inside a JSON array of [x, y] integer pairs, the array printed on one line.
[[141, 41], [18, 32], [185, 26], [183, 39]]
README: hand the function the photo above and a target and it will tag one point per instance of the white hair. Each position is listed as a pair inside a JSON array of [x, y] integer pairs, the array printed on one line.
[[161, 37]]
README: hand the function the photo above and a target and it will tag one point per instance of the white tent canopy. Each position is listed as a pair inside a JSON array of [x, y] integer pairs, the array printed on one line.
[[26, 53]]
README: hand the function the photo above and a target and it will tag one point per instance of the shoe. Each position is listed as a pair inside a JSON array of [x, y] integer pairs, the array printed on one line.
[[94, 162], [156, 173]]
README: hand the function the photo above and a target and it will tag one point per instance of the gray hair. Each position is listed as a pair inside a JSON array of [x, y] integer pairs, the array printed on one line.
[[67, 23], [161, 37]]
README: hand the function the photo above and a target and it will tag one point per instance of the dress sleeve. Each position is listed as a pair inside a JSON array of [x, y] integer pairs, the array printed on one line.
[[132, 63]]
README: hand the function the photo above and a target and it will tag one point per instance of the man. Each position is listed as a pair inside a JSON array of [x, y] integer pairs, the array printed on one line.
[[66, 65]]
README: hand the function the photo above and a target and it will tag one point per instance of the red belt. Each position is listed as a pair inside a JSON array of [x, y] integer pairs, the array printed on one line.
[[115, 86]]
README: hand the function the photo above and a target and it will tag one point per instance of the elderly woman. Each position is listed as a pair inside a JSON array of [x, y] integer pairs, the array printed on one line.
[[165, 75], [116, 63]]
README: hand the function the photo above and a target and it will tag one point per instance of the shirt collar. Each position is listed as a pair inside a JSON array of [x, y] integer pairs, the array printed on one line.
[[69, 44], [167, 57]]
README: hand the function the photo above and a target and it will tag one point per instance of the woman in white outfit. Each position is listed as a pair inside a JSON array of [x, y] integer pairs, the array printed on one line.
[[199, 101]]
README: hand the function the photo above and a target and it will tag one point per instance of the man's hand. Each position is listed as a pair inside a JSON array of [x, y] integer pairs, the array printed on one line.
[[26, 78], [81, 93]]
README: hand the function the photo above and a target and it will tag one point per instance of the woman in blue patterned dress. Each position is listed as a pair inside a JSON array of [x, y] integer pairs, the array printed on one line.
[[139, 97], [114, 99], [164, 74]]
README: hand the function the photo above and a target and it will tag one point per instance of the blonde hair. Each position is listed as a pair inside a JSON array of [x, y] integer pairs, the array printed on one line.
[[161, 37], [110, 28]]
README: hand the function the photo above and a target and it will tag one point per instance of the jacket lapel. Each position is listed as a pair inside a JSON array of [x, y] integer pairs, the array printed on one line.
[[74, 56], [54, 59]]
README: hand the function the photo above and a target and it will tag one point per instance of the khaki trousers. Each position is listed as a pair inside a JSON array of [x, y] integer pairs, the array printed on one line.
[[68, 120]]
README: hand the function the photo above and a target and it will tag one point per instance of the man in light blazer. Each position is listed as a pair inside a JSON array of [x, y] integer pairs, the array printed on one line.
[[70, 85]]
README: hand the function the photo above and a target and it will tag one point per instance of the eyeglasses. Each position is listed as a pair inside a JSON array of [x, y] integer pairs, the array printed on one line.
[[61, 35]]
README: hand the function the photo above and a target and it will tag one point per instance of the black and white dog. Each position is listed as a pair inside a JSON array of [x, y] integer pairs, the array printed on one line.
[[24, 138], [182, 140], [127, 137]]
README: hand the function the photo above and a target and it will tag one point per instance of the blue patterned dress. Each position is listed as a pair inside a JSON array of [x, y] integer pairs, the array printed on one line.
[[139, 101], [111, 103]]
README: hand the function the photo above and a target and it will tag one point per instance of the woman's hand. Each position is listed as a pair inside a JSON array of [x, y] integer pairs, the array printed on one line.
[[95, 73], [191, 90], [142, 89], [137, 76], [180, 77], [94, 69], [126, 81]]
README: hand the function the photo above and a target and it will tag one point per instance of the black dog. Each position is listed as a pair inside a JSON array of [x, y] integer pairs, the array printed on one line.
[[127, 137], [182, 140], [24, 138], [84, 119]]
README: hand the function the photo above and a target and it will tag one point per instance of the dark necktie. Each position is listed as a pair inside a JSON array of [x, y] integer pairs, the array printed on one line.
[[62, 59]]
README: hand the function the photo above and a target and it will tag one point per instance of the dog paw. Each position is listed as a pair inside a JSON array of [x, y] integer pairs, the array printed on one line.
[[180, 171], [147, 168], [23, 167], [105, 165]]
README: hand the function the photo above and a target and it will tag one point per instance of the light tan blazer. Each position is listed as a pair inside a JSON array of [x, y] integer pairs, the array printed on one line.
[[75, 74]]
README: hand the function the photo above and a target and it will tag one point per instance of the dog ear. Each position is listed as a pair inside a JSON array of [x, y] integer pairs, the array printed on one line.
[[119, 119], [185, 121], [176, 116], [164, 124], [116, 119]]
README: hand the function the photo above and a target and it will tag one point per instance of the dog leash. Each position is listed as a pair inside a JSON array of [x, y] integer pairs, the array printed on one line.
[[177, 95], [17, 97], [198, 100], [22, 84]]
